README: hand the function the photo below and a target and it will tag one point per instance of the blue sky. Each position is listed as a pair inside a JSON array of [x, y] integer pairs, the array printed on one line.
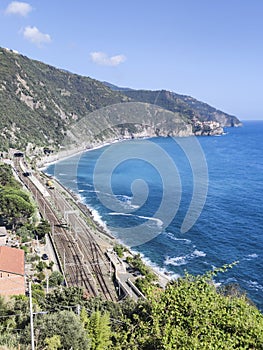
[[209, 49]]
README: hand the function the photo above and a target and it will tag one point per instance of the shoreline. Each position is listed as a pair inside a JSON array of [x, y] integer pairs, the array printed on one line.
[[164, 276], [46, 161], [63, 155]]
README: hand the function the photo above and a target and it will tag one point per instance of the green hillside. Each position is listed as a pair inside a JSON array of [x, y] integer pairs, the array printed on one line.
[[43, 106], [185, 105], [38, 102]]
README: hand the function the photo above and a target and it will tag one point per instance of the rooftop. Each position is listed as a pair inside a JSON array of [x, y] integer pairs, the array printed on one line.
[[12, 260]]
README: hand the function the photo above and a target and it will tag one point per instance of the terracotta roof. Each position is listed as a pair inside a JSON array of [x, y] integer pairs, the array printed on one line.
[[12, 260]]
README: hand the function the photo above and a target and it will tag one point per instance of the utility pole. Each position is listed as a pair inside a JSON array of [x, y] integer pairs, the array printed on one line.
[[52, 230], [78, 310], [47, 284], [64, 260], [31, 317], [110, 269]]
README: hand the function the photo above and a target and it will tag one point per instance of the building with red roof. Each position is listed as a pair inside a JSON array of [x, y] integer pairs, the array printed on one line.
[[12, 271]]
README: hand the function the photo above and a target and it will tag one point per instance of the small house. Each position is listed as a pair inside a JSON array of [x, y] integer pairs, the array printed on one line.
[[12, 271]]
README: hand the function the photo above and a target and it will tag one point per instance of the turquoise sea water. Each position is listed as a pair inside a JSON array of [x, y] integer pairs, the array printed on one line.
[[145, 175]]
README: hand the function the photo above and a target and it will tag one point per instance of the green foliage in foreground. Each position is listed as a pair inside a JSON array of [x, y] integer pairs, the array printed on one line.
[[15, 205], [188, 314]]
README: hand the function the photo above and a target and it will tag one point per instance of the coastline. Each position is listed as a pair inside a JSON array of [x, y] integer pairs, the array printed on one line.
[[106, 235], [163, 276], [48, 160]]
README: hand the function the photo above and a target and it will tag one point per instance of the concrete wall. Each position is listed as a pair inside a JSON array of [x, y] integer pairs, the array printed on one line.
[[11, 284], [3, 240]]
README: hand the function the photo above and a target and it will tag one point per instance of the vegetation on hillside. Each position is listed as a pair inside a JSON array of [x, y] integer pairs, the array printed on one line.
[[16, 207], [188, 314], [40, 103], [184, 105]]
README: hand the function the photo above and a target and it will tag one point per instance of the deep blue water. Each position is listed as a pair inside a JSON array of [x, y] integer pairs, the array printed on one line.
[[230, 225]]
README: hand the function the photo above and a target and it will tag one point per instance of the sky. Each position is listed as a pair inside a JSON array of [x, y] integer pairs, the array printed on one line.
[[211, 50]]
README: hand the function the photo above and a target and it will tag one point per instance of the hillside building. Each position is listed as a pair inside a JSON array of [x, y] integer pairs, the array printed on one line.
[[12, 271]]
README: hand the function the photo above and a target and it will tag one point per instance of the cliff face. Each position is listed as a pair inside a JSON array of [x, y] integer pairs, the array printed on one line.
[[125, 121], [38, 102], [205, 112], [116, 123], [42, 106], [185, 105]]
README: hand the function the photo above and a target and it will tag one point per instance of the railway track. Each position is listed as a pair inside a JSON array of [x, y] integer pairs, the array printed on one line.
[[95, 259], [82, 259]]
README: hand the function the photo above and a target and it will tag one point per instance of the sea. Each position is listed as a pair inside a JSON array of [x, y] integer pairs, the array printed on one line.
[[185, 204]]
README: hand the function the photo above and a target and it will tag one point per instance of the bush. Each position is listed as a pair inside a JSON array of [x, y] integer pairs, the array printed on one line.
[[55, 279], [119, 250]]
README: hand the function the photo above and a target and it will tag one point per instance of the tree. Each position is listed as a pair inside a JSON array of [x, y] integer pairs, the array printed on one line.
[[99, 331], [119, 250], [15, 205], [42, 229], [7, 177], [63, 324], [61, 298], [53, 343], [191, 314], [7, 337], [55, 279]]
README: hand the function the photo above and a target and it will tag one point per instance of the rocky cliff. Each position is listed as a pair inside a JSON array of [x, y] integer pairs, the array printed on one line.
[[186, 105], [42, 106]]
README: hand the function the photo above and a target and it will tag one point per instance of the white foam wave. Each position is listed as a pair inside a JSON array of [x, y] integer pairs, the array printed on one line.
[[133, 206], [184, 259], [80, 198], [80, 191], [171, 236], [126, 201], [93, 191], [165, 273], [159, 222], [198, 253], [177, 261], [255, 285], [250, 257], [123, 197], [230, 280], [121, 214], [49, 174], [97, 217]]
